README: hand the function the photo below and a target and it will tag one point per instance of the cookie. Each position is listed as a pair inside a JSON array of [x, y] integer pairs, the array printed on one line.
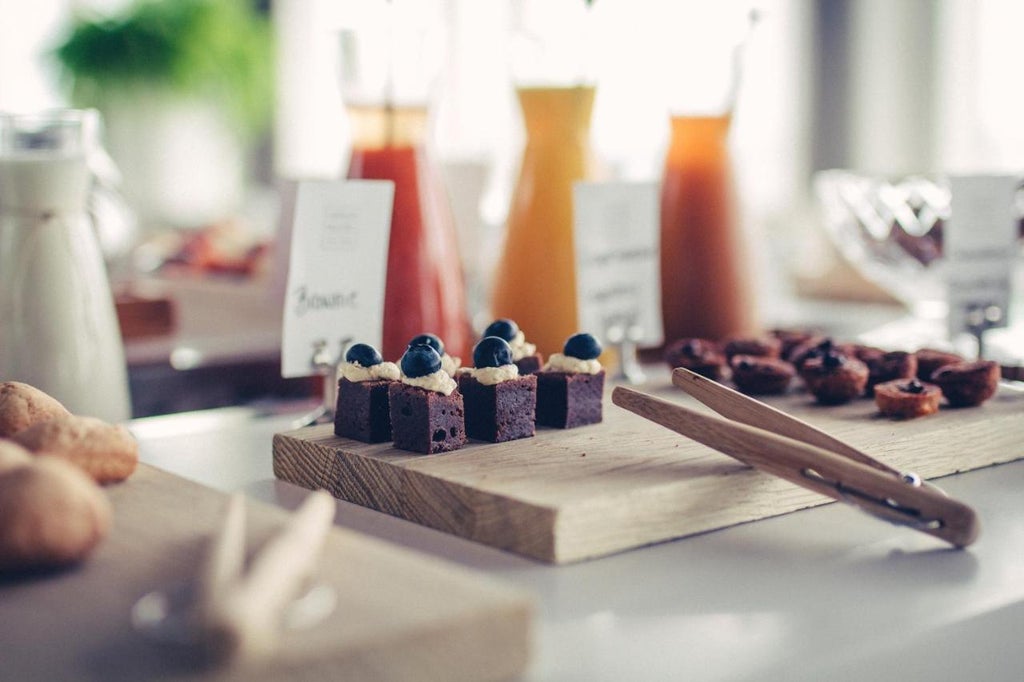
[[51, 515], [22, 405], [697, 355], [907, 398], [965, 384], [929, 360], [106, 452], [761, 375], [835, 378]]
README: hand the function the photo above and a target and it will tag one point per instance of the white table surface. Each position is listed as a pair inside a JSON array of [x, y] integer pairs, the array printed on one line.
[[821, 594]]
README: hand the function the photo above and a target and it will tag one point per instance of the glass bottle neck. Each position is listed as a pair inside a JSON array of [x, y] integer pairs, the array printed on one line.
[[380, 126]]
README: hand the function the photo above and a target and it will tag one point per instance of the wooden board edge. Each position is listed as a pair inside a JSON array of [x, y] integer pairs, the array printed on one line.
[[494, 520]]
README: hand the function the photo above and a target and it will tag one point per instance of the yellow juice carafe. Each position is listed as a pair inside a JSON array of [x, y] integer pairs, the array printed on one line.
[[535, 281]]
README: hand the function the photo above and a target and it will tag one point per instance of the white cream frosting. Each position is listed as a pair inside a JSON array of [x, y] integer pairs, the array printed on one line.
[[355, 372], [495, 375], [439, 382], [520, 348], [566, 363], [450, 364]]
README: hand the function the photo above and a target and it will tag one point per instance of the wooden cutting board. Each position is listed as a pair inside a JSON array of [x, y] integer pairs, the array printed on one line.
[[399, 616], [565, 496]]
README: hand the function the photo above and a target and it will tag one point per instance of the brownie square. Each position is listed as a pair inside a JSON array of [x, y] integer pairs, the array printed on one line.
[[502, 411], [426, 421], [566, 400], [362, 410], [530, 364]]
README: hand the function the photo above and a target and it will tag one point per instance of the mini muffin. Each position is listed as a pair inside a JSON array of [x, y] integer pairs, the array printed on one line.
[[697, 355], [929, 360], [907, 398], [883, 367], [789, 339], [757, 346], [817, 348], [760, 375], [966, 384], [835, 378]]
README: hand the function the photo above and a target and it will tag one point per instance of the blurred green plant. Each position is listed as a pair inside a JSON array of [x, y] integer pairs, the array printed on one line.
[[218, 50]]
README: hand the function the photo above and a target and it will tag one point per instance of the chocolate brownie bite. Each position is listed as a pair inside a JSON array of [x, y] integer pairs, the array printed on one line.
[[500, 404], [835, 378], [524, 354], [761, 375], [757, 346], [907, 398], [929, 360], [427, 411], [966, 384], [449, 363], [697, 355], [819, 348], [570, 388], [888, 366], [362, 411]]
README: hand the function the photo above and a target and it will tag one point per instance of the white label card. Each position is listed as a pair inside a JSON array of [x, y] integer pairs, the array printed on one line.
[[337, 269], [618, 280], [980, 248]]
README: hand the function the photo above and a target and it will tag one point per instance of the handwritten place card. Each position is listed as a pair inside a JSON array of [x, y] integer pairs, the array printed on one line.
[[980, 249], [337, 270], [618, 279]]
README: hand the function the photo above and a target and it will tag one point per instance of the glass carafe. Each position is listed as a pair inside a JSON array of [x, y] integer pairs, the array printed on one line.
[[535, 280], [388, 64], [58, 327], [706, 282]]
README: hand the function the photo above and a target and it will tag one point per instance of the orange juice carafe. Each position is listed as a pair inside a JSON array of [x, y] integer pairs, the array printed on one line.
[[535, 282], [387, 69], [705, 277]]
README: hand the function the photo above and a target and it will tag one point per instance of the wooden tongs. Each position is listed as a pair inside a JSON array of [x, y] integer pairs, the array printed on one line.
[[771, 440]]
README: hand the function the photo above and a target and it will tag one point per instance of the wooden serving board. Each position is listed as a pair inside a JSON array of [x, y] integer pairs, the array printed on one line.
[[565, 496], [399, 616]]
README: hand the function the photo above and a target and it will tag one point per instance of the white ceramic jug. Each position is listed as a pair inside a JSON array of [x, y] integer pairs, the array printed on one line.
[[58, 327]]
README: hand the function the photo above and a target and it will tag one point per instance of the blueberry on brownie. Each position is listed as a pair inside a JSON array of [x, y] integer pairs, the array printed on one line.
[[500, 404], [570, 388], [427, 413], [449, 363], [362, 411], [524, 354]]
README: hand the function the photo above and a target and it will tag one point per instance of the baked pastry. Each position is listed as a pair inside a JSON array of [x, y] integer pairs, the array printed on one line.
[[929, 360], [697, 355], [524, 354], [907, 398], [22, 405], [570, 388], [427, 413], [362, 412], [816, 348], [107, 452], [758, 346], [449, 363], [888, 366], [834, 378], [965, 384], [761, 375], [500, 404], [791, 338]]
